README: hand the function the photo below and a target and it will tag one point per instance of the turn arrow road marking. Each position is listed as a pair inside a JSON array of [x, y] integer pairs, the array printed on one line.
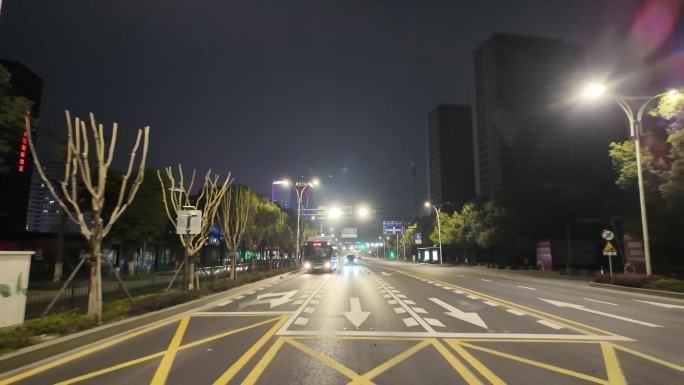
[[583, 308], [356, 315], [472, 318], [281, 298], [667, 305]]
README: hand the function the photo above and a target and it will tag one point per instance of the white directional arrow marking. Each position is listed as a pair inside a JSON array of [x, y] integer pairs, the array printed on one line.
[[356, 315], [667, 305], [583, 308], [385, 274], [472, 318], [280, 299]]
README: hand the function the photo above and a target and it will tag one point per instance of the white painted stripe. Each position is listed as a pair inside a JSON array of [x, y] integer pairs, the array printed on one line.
[[490, 303], [383, 291], [438, 284], [303, 296], [309, 310], [525, 287], [399, 310], [317, 296], [486, 280], [516, 312], [472, 296], [595, 300], [386, 296], [314, 302], [403, 296], [420, 310], [409, 302], [521, 336], [251, 292], [458, 292], [301, 321], [261, 288], [392, 302], [298, 302], [239, 297], [234, 313], [395, 291], [550, 324], [410, 322], [434, 322], [461, 275], [225, 303]]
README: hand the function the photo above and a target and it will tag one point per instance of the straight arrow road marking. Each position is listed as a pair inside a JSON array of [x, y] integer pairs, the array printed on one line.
[[660, 304], [356, 315], [472, 318], [583, 308]]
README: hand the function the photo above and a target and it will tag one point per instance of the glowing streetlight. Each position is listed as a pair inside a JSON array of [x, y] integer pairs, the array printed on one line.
[[634, 107], [594, 91], [427, 204], [334, 213], [315, 181], [363, 212]]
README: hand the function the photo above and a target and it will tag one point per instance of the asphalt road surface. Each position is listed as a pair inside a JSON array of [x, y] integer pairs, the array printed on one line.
[[395, 323]]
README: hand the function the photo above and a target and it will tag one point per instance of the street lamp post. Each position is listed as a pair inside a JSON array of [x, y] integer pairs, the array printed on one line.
[[634, 118], [300, 187], [438, 209]]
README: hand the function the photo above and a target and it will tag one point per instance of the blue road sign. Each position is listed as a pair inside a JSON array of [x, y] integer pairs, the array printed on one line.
[[393, 227], [418, 238]]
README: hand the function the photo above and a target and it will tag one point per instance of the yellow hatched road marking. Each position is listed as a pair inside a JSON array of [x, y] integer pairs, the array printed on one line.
[[551, 317], [538, 364], [164, 368], [82, 353], [242, 361], [650, 358], [159, 354], [458, 365], [395, 360], [259, 368], [613, 370], [475, 363]]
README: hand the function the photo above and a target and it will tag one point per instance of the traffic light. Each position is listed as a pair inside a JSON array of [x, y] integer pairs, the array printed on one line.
[[392, 254]]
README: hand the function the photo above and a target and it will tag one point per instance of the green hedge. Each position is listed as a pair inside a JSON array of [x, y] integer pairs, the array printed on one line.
[[38, 329]]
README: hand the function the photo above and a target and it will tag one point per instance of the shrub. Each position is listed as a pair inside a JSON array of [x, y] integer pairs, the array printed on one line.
[[160, 301], [631, 280], [668, 284]]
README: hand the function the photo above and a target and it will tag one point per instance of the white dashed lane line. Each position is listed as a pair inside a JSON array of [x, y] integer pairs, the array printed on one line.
[[550, 324], [603, 302], [515, 312], [525, 287]]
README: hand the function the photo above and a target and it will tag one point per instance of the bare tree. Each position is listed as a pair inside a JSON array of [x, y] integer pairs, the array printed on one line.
[[233, 216], [179, 196], [81, 170]]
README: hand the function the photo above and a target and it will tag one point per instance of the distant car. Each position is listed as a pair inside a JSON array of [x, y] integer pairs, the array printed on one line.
[[351, 259]]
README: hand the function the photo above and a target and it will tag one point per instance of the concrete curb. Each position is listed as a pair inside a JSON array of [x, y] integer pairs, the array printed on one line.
[[38, 352], [660, 293]]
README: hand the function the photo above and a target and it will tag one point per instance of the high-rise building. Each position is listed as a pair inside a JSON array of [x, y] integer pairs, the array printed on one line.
[[44, 214], [16, 182], [281, 193], [522, 134], [451, 175]]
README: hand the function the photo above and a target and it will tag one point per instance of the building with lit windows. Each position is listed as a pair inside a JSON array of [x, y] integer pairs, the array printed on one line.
[[281, 193], [16, 182]]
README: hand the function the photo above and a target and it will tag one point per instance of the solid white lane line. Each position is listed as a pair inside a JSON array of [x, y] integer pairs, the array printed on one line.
[[486, 280], [434, 322], [225, 302], [588, 310], [525, 287], [410, 322], [302, 321], [409, 302], [399, 310], [595, 300], [516, 312], [309, 310], [550, 324], [490, 303]]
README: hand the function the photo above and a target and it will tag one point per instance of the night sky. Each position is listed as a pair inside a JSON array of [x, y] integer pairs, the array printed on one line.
[[272, 89]]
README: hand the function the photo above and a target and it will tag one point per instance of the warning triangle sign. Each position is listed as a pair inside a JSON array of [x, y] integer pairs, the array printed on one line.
[[609, 248]]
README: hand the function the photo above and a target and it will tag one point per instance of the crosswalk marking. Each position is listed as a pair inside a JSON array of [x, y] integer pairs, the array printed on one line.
[[419, 310], [302, 321], [399, 310], [309, 310], [392, 302], [410, 322], [409, 302], [434, 322]]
